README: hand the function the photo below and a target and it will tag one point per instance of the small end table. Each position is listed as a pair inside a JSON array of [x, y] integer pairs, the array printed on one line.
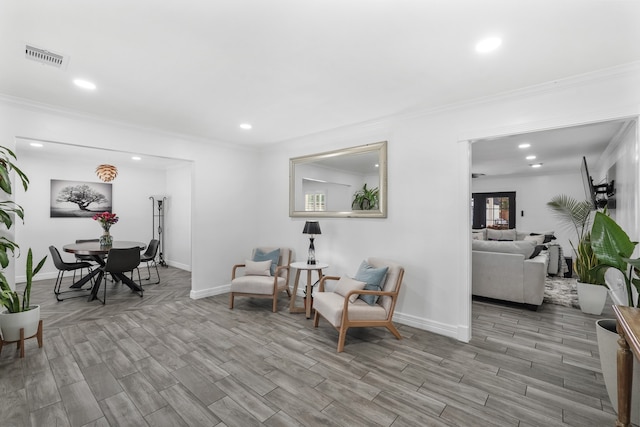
[[299, 266]]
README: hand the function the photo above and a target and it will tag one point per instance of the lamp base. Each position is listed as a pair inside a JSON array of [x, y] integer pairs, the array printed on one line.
[[311, 260]]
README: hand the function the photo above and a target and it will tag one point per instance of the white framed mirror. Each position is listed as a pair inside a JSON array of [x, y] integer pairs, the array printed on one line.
[[347, 183]]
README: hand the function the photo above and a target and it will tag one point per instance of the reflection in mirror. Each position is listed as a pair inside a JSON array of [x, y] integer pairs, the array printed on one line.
[[344, 183]]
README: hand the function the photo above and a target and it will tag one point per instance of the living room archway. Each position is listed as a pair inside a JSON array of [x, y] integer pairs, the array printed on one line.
[[528, 134]]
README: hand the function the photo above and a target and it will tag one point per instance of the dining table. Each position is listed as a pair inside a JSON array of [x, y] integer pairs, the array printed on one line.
[[98, 253]]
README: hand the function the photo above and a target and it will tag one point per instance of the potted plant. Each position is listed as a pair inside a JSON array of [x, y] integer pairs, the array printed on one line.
[[613, 248], [366, 199], [576, 215], [17, 313]]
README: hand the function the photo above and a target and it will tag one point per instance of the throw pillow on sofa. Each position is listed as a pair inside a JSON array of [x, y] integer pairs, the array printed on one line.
[[538, 239], [501, 234], [521, 247], [481, 232], [537, 250]]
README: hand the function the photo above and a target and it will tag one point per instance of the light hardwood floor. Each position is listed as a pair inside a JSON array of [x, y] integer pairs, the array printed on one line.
[[167, 360]]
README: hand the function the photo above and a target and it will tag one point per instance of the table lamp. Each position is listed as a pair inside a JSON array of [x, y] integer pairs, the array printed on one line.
[[312, 228]]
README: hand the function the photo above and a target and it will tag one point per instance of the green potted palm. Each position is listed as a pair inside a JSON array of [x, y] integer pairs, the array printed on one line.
[[17, 313], [613, 249], [366, 198], [576, 216]]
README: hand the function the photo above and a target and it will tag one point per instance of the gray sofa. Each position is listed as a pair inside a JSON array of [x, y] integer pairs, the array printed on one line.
[[504, 270]]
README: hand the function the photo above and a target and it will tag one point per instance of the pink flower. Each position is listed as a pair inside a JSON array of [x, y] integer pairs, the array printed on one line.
[[106, 219]]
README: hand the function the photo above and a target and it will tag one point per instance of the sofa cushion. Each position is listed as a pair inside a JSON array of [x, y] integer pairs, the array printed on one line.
[[501, 234], [257, 284], [346, 285], [522, 247], [330, 304]]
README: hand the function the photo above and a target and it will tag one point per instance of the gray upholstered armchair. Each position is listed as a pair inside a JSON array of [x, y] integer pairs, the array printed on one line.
[[344, 308], [266, 274]]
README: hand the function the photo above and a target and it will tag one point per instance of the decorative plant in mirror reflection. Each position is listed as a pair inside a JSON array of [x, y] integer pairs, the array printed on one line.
[[366, 199]]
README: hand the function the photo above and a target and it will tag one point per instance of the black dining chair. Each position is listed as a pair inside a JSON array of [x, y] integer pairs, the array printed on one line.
[[149, 257], [63, 267], [119, 262]]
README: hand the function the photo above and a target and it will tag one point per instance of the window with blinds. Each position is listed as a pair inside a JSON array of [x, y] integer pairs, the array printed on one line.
[[314, 202]]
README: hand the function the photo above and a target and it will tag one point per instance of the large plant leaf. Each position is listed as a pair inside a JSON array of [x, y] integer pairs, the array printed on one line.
[[573, 214], [5, 182], [610, 243], [26, 297]]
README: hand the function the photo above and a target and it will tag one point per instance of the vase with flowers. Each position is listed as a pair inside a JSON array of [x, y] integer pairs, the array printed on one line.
[[106, 220]]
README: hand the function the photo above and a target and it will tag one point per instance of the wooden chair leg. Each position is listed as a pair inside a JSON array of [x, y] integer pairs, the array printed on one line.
[[21, 343], [231, 300], [316, 318], [341, 338], [275, 303], [39, 334], [391, 327]]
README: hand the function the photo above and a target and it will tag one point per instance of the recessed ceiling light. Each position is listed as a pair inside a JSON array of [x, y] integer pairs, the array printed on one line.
[[488, 45], [525, 145], [530, 157], [536, 165], [84, 84], [377, 165], [246, 126], [136, 158], [36, 144]]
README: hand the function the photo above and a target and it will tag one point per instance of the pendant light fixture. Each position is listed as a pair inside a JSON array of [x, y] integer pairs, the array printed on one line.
[[106, 172]]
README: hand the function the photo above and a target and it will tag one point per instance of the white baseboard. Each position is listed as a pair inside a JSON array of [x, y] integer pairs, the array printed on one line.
[[454, 332], [428, 325], [41, 276], [224, 289], [181, 266]]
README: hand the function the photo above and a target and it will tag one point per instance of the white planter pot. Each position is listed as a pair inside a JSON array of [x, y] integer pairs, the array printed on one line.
[[608, 348], [10, 323], [591, 298]]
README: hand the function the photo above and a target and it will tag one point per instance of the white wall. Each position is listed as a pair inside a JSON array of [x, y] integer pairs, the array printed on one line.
[[130, 190], [223, 220], [532, 195], [428, 224], [625, 156], [177, 252]]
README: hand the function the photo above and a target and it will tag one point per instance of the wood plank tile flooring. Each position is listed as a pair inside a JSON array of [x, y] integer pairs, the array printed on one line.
[[167, 360]]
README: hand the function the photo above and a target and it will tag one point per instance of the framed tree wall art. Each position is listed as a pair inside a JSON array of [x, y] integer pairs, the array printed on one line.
[[76, 199]]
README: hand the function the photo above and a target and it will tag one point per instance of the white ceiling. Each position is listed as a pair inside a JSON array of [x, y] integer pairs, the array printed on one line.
[[559, 150], [296, 67]]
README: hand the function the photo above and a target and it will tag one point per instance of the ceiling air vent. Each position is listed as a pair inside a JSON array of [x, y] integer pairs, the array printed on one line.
[[44, 56]]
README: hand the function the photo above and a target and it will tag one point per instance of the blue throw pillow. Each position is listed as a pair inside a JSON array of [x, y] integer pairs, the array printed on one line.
[[272, 256], [373, 277]]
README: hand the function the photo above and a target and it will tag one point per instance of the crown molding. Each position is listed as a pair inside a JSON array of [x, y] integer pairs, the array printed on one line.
[[36, 106]]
